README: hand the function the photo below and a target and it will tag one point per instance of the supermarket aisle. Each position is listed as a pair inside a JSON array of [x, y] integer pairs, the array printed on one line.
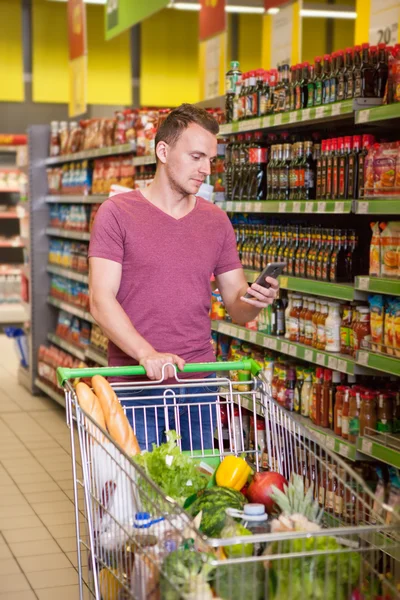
[[37, 537]]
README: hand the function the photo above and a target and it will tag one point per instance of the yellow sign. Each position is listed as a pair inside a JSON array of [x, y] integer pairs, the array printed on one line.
[[213, 66], [77, 86]]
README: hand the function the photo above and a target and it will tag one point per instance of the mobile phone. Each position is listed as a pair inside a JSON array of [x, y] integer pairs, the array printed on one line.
[[273, 269]]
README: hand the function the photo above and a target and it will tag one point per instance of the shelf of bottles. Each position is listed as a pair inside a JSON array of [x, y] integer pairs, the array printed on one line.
[[378, 285], [68, 234], [378, 113], [285, 207], [70, 308], [378, 206], [381, 446]]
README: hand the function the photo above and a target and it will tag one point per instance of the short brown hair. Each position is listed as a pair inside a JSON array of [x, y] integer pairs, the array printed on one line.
[[180, 118]]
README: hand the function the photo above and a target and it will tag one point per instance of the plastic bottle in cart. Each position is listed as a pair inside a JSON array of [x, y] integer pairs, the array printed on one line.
[[255, 518]]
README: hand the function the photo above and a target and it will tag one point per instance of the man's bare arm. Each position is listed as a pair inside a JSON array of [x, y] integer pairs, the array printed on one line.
[[104, 282]]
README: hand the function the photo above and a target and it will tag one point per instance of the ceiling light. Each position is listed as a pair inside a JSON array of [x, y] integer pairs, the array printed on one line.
[[273, 11], [250, 10], [184, 6], [103, 2], [328, 14]]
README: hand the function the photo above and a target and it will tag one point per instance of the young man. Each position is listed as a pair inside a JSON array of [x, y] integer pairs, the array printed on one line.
[[152, 255]]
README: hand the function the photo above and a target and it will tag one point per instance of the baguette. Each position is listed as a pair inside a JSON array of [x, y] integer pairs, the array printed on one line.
[[89, 402], [116, 421]]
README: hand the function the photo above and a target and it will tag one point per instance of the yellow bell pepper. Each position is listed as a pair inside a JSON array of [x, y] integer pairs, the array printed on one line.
[[232, 472]]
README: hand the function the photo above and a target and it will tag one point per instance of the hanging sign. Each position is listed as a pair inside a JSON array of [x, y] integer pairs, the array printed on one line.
[[121, 15], [282, 34], [77, 42], [212, 18], [384, 22]]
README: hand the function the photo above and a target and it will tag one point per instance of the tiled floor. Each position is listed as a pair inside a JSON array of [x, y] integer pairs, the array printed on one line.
[[37, 535]]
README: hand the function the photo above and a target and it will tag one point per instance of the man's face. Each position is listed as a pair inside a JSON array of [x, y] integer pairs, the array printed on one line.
[[188, 161]]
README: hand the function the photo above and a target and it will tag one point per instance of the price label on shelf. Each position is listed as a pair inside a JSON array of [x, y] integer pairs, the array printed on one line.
[[332, 363], [362, 358], [362, 208], [306, 114], [309, 207], [344, 449], [336, 109], [273, 344], [241, 206], [283, 281], [296, 207], [366, 446], [320, 359], [293, 116], [341, 365], [330, 442], [284, 348], [282, 207], [363, 116], [278, 119], [319, 112], [258, 207], [308, 355], [363, 283], [321, 207], [247, 206], [339, 207], [243, 126], [292, 350], [229, 206], [253, 337]]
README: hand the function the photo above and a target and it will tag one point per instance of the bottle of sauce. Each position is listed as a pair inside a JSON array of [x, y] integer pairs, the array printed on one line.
[[345, 414], [281, 388], [367, 143], [353, 327], [357, 78], [330, 489], [333, 266], [324, 169], [344, 153], [275, 380], [332, 328], [232, 77], [306, 391], [284, 168], [336, 144], [317, 396], [368, 416], [298, 390], [315, 319], [339, 493], [308, 324], [385, 413], [294, 332], [327, 255], [382, 71], [292, 87], [326, 80], [311, 88], [304, 84], [322, 485], [337, 420], [363, 328], [336, 381], [367, 74], [318, 190], [321, 331], [309, 172], [318, 81], [332, 147], [341, 87], [302, 321], [320, 255], [326, 397], [334, 79], [297, 87], [354, 415], [304, 253], [290, 386], [256, 188], [280, 317], [348, 74], [288, 311], [352, 168]]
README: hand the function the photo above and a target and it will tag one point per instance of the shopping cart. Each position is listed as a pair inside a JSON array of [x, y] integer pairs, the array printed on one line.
[[128, 530]]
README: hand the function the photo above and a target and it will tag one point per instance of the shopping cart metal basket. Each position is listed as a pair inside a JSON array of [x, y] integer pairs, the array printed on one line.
[[134, 541]]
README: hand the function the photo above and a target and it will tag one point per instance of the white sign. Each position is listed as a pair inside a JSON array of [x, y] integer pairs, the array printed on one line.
[[384, 22], [281, 43], [212, 66]]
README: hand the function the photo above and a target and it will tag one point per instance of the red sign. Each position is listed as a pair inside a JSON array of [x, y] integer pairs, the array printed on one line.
[[274, 3], [212, 18], [76, 28], [9, 139]]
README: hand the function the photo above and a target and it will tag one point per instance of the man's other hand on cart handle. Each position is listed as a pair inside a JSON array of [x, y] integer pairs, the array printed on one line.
[[154, 361], [263, 297]]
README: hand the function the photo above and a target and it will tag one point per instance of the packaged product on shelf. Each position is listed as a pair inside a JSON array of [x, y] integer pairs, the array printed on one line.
[[377, 307], [73, 292], [75, 137], [98, 339], [390, 255], [146, 129], [375, 251], [54, 149], [63, 137], [217, 307], [50, 358]]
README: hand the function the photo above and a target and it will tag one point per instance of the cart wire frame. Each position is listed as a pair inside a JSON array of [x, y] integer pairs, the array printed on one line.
[[125, 559]]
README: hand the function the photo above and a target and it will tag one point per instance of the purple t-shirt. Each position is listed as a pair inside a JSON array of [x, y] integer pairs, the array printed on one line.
[[166, 269]]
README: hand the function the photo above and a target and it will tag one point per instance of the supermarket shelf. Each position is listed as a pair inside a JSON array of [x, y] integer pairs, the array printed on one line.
[[71, 235], [380, 362], [301, 206], [12, 313], [99, 152], [383, 206], [73, 310], [339, 291], [69, 273], [67, 346], [341, 363], [14, 243], [49, 391], [81, 199], [378, 113], [96, 356], [304, 117], [376, 447], [378, 285]]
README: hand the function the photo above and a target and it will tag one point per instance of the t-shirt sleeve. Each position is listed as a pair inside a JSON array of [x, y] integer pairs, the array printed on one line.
[[107, 236], [228, 259]]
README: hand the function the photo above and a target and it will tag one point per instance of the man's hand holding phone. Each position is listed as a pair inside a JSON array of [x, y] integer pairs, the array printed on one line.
[[263, 292]]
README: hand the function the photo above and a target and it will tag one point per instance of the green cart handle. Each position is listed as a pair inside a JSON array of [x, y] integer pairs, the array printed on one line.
[[245, 365]]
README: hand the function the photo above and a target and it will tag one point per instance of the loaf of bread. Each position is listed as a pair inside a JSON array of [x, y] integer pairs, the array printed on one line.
[[117, 424], [89, 402]]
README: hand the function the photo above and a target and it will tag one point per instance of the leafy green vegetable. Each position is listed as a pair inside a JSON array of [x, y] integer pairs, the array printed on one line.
[[241, 581], [175, 473], [320, 577], [185, 575]]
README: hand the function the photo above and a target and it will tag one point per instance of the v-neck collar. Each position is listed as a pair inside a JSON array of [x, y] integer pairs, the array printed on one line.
[[194, 209]]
